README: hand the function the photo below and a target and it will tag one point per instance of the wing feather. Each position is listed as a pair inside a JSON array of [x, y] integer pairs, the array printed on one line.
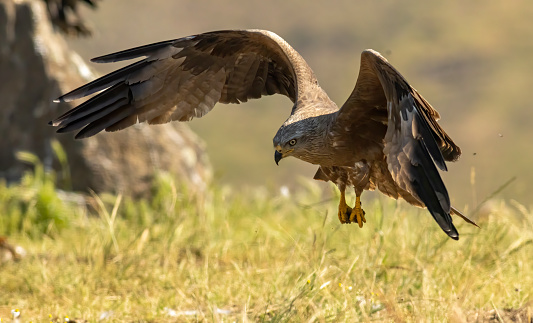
[[141, 51], [104, 82], [184, 78], [413, 143]]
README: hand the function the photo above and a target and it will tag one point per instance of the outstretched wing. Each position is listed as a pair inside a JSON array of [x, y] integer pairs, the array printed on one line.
[[414, 143], [184, 78]]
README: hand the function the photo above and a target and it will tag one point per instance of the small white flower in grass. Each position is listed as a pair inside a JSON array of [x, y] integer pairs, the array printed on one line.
[[170, 312], [223, 311], [15, 313], [345, 287], [106, 315], [360, 299], [325, 284], [66, 319], [376, 307], [21, 252], [284, 191], [174, 313]]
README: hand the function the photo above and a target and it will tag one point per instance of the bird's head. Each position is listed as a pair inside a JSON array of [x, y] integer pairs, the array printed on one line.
[[293, 139]]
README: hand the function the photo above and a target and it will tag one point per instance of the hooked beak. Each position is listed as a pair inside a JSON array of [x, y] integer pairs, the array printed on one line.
[[277, 157]]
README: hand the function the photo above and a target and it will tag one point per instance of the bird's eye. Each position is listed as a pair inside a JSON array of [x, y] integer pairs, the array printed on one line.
[[292, 142]]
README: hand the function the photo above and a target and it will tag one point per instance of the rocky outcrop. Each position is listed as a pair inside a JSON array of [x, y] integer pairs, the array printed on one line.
[[36, 66]]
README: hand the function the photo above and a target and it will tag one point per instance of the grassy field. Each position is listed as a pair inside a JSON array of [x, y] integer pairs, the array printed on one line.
[[256, 255]]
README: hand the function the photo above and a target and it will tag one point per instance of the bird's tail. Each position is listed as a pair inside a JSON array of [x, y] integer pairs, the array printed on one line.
[[454, 211]]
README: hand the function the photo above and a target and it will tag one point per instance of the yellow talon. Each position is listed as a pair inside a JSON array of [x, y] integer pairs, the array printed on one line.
[[344, 210], [357, 213], [349, 215]]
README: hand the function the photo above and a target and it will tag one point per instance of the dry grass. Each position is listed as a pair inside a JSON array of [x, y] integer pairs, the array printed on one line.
[[259, 256]]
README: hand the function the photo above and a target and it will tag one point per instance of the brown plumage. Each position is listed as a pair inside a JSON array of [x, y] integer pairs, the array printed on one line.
[[385, 136]]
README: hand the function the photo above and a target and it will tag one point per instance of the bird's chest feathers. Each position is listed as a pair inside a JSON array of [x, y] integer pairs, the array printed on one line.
[[357, 175], [349, 148]]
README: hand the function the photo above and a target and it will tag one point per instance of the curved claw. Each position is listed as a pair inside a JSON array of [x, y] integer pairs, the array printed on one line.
[[358, 214], [345, 213], [349, 215]]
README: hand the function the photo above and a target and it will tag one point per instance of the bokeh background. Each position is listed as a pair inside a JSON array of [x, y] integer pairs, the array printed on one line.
[[471, 60]]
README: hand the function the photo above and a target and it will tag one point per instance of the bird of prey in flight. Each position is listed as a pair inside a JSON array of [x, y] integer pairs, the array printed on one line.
[[385, 136]]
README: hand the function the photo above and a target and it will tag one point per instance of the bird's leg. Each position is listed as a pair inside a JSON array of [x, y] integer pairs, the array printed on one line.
[[344, 210], [357, 213]]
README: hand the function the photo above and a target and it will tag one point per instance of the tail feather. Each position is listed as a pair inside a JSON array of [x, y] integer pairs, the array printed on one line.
[[428, 195], [464, 217]]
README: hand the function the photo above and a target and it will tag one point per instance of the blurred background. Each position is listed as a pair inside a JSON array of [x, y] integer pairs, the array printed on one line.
[[471, 60]]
